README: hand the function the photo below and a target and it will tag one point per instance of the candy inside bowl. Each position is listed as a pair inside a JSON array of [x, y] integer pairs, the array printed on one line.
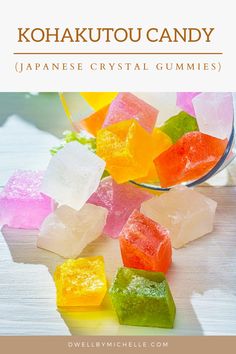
[[159, 140]]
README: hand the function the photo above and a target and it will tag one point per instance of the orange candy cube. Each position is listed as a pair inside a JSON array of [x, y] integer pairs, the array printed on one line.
[[161, 142], [127, 149], [151, 177], [94, 122]]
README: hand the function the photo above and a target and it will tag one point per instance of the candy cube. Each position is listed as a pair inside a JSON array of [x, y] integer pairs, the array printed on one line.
[[81, 282], [214, 113], [161, 142], [194, 155], [73, 174], [165, 102], [127, 149], [98, 100], [186, 213], [184, 101], [120, 200], [67, 231], [145, 244], [175, 127], [94, 122], [21, 203], [142, 298], [126, 106], [151, 177]]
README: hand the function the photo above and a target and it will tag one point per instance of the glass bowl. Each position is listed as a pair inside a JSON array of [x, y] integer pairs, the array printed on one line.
[[225, 160]]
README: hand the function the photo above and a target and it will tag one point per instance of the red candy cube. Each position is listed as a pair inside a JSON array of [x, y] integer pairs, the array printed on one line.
[[145, 244], [191, 157]]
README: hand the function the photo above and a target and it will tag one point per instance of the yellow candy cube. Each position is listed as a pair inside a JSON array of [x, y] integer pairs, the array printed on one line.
[[81, 282], [98, 100], [127, 149]]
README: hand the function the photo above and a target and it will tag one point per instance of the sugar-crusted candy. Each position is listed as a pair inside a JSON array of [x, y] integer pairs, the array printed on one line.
[[176, 126], [73, 174], [94, 122], [67, 231], [145, 244], [191, 157], [81, 282], [22, 205], [163, 101], [186, 213], [126, 106], [184, 100], [161, 142], [142, 298], [120, 200], [119, 145]]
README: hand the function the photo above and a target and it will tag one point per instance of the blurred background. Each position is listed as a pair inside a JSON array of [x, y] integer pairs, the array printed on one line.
[[43, 110]]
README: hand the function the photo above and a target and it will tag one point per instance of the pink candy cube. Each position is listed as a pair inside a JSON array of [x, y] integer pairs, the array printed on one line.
[[184, 101], [21, 203], [126, 106], [120, 200]]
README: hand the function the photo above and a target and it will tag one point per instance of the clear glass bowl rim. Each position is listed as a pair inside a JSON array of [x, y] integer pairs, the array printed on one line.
[[217, 168]]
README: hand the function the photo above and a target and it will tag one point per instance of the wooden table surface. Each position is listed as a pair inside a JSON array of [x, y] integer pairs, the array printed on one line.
[[202, 277]]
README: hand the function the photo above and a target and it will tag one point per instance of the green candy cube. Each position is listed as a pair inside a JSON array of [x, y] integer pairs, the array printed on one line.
[[179, 125], [142, 298]]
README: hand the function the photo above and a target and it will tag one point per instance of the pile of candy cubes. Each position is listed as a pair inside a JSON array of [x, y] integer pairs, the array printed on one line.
[[86, 192]]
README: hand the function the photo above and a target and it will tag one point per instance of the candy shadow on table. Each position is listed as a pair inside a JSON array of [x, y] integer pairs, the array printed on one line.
[[102, 320], [22, 247], [194, 271]]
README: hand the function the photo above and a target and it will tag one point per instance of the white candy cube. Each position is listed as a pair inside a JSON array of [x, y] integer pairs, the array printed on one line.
[[73, 175], [187, 214], [67, 231]]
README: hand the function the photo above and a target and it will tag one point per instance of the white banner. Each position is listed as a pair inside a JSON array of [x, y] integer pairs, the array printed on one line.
[[118, 45]]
